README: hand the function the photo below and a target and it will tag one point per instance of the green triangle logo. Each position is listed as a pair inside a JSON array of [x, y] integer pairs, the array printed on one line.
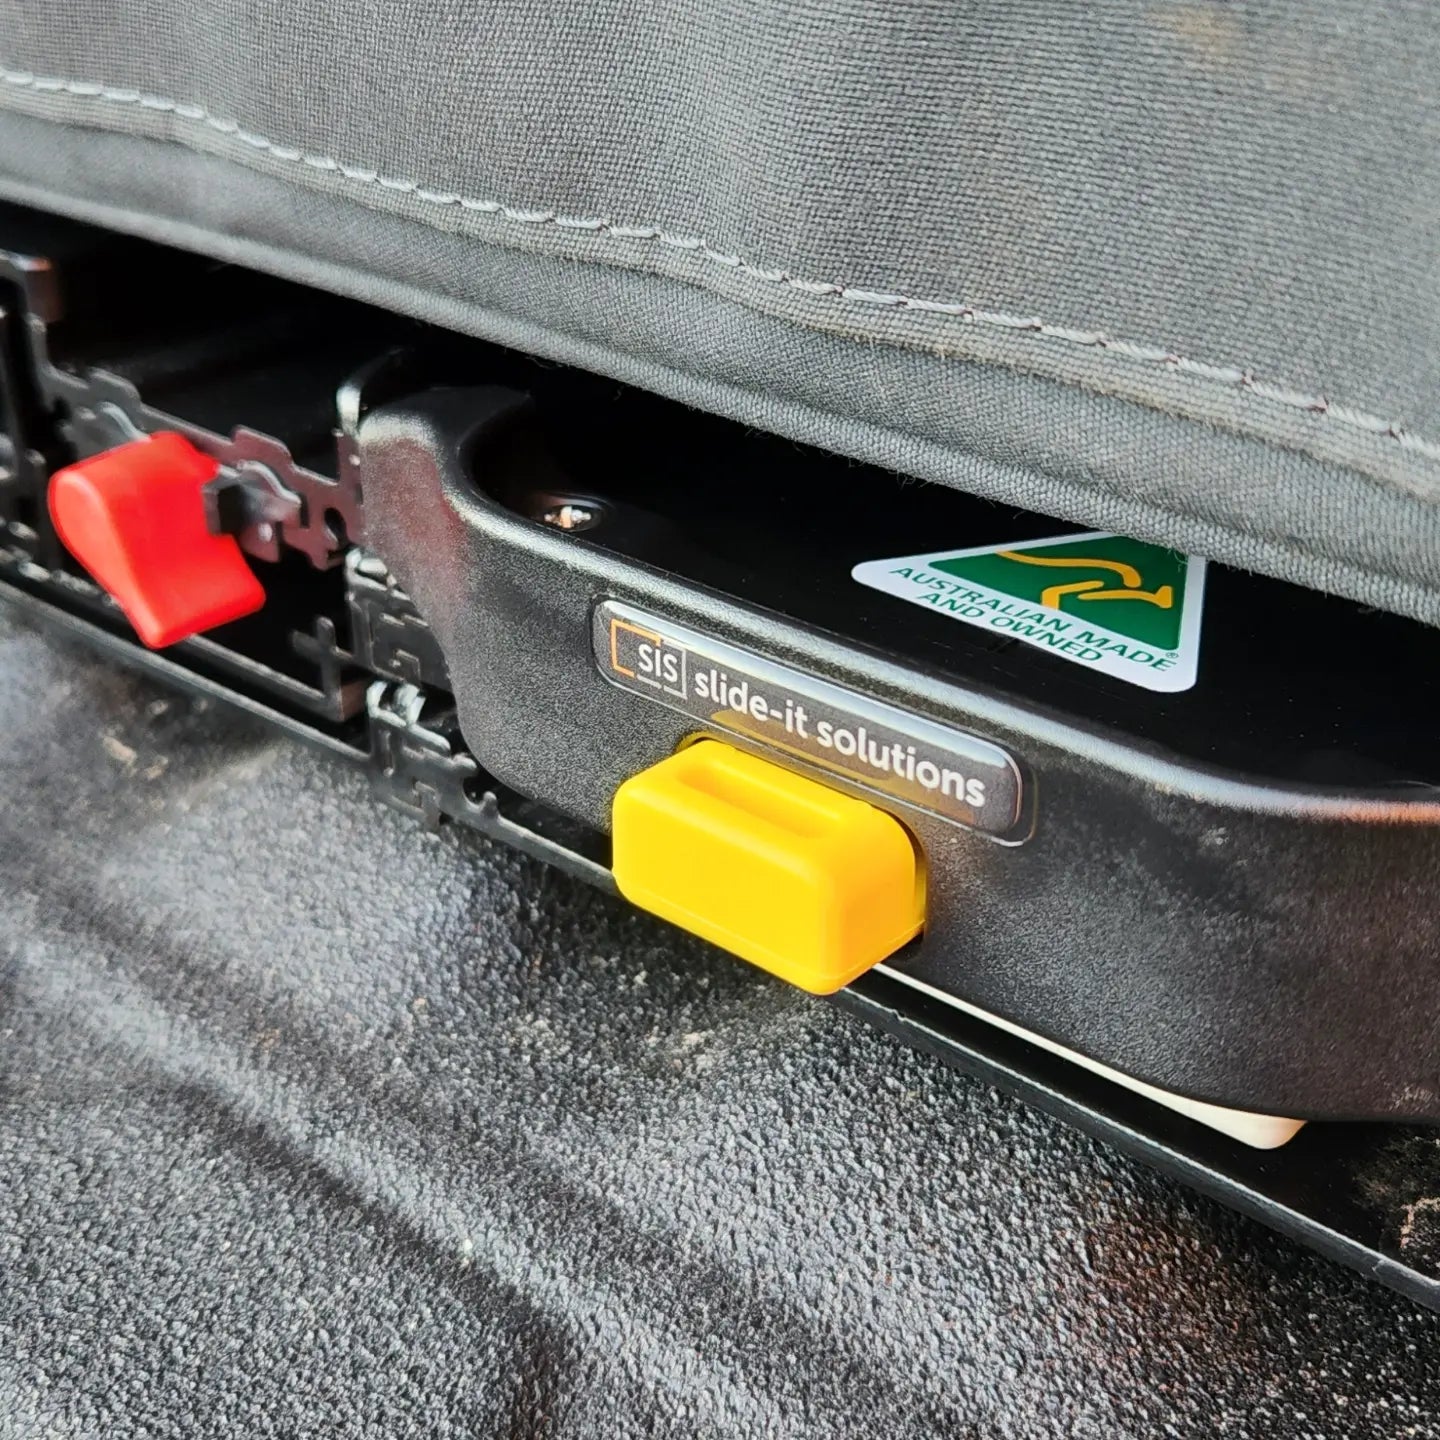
[[1116, 605]]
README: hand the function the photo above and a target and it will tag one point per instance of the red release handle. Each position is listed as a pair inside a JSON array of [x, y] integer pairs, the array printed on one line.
[[134, 517]]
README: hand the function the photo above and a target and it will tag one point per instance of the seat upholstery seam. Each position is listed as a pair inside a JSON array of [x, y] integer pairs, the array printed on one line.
[[1238, 378]]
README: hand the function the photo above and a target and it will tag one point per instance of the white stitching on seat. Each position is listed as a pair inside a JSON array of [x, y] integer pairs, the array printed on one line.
[[1229, 377]]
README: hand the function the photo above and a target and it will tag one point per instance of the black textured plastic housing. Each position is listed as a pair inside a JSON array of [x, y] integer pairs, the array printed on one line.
[[1249, 936]]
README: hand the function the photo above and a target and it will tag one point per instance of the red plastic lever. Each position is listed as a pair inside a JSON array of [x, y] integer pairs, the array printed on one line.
[[134, 517]]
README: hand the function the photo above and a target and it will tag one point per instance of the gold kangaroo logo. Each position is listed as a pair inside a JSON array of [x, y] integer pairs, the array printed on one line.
[[1164, 597]]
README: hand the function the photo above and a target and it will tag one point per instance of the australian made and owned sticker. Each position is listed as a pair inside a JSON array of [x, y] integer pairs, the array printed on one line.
[[1116, 605]]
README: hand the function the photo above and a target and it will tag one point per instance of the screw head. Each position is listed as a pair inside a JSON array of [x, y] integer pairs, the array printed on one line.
[[571, 515]]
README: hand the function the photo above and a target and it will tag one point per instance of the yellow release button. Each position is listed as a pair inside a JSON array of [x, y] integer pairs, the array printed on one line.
[[808, 883]]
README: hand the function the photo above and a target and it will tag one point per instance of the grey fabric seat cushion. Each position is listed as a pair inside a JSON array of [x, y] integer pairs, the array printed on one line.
[[1168, 268]]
